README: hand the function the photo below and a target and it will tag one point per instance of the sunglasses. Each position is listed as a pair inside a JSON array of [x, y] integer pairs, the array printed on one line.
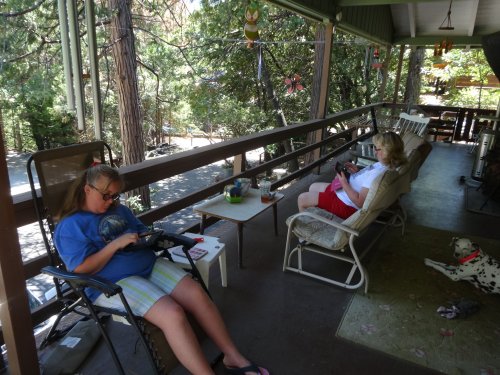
[[106, 197]]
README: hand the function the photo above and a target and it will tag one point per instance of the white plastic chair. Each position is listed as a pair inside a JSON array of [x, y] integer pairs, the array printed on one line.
[[411, 123]]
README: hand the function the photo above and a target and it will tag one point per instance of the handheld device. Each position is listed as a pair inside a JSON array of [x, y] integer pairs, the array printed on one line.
[[340, 168], [145, 234], [146, 240]]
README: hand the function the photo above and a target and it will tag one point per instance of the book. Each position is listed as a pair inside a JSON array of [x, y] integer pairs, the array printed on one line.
[[335, 185], [195, 252]]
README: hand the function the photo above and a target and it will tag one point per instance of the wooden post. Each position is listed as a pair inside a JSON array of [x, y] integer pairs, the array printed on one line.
[[324, 32], [15, 313], [239, 163]]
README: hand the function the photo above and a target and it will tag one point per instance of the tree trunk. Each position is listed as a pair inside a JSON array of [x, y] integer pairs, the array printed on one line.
[[122, 38], [413, 80], [293, 164], [319, 51]]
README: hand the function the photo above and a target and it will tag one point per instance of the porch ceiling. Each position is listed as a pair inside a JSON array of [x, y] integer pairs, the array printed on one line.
[[411, 22]]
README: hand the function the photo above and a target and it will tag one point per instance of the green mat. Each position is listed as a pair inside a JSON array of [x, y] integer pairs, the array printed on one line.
[[398, 315]]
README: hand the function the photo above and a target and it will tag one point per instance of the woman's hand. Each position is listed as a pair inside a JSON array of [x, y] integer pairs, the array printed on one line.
[[95, 262], [351, 167], [343, 180], [125, 240]]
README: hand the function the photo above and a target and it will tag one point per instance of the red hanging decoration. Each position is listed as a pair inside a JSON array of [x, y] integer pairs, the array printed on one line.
[[293, 84], [376, 64]]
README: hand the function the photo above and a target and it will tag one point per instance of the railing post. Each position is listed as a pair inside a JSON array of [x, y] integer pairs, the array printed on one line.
[[239, 163], [14, 307]]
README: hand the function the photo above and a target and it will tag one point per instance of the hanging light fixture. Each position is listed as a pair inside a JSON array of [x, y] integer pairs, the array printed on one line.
[[447, 20], [446, 44]]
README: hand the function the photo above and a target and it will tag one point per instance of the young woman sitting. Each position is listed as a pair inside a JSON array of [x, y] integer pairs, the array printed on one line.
[[94, 227]]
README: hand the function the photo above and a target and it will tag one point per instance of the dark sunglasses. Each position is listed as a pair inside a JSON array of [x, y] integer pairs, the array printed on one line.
[[106, 197]]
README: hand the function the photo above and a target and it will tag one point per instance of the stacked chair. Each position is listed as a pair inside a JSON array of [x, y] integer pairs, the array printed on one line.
[[406, 125], [56, 169]]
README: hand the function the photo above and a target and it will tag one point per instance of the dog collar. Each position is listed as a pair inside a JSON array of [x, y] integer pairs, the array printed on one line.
[[469, 257]]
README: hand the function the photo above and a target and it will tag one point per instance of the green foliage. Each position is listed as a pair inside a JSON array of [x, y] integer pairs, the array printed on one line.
[[135, 204], [355, 83], [194, 71], [469, 66]]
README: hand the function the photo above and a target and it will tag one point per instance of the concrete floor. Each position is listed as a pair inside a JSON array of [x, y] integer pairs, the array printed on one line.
[[287, 322]]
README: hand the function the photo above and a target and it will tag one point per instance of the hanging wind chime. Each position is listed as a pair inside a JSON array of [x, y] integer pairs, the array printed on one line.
[[445, 45]]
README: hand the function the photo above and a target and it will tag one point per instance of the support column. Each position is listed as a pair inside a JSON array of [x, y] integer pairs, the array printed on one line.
[[319, 102], [76, 62], [17, 327], [94, 68]]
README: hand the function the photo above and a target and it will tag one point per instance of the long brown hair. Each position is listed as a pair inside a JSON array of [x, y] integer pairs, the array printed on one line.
[[75, 198]]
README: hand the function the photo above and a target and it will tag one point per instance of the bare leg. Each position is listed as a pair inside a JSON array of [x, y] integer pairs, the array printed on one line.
[[170, 317], [193, 298], [318, 187], [305, 200]]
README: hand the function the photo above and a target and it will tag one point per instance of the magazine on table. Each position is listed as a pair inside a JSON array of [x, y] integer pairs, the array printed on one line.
[[195, 252]]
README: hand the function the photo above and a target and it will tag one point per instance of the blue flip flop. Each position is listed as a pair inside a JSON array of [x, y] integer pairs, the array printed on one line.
[[242, 370]]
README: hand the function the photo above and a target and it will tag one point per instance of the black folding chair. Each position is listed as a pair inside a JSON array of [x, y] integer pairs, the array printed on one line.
[[56, 170]]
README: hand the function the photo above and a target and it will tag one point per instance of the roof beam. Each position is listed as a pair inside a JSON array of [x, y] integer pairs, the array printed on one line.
[[474, 4], [473, 41], [318, 10], [411, 20], [350, 3]]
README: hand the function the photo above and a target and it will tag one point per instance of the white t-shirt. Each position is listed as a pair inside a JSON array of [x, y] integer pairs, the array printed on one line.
[[361, 179]]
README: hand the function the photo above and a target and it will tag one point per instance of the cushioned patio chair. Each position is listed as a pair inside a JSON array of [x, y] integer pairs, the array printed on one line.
[[56, 169], [318, 231]]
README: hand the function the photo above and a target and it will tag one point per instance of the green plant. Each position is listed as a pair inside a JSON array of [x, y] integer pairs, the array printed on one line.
[[134, 203]]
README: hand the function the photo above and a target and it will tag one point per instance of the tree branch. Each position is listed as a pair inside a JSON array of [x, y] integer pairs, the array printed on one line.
[[21, 12]]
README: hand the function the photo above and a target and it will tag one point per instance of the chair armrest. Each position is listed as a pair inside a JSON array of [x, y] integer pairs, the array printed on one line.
[[168, 240], [83, 280]]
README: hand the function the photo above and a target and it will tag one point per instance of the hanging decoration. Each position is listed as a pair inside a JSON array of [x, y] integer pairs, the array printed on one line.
[[443, 46], [446, 44], [376, 64], [250, 29], [293, 84]]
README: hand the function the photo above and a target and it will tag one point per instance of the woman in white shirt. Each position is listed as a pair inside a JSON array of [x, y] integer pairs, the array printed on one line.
[[389, 150]]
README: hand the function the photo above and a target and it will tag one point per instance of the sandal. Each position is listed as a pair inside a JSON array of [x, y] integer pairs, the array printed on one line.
[[243, 370]]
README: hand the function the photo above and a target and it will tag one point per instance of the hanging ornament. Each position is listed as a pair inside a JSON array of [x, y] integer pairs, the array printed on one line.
[[250, 29], [376, 64], [293, 84]]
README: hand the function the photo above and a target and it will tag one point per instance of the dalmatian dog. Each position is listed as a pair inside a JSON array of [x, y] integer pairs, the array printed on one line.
[[475, 266]]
